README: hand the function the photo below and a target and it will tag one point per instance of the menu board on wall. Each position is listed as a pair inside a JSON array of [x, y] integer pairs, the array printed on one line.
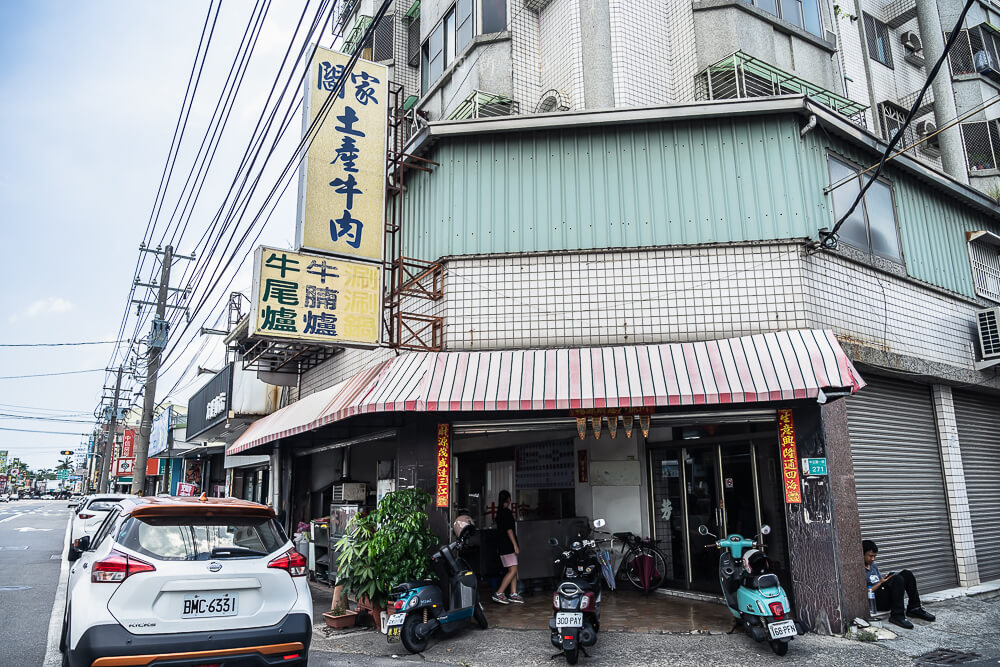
[[545, 466]]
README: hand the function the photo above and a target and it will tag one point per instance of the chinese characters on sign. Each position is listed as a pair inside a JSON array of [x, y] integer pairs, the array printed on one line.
[[342, 185], [316, 298], [128, 443], [789, 460], [443, 465]]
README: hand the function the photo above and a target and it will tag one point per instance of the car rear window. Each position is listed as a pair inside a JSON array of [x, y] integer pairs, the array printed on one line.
[[201, 537], [103, 504]]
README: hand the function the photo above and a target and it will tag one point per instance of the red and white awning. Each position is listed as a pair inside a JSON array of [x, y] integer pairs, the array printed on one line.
[[766, 367]]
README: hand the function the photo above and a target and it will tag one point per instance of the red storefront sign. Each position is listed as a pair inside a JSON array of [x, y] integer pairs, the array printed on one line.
[[789, 458], [443, 465], [128, 444]]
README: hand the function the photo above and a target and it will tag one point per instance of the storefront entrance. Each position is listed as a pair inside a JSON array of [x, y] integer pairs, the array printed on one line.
[[725, 477]]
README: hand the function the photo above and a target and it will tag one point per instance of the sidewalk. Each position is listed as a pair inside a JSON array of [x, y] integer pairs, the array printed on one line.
[[964, 625]]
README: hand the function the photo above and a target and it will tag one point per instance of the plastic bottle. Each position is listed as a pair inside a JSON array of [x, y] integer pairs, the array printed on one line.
[[872, 609]]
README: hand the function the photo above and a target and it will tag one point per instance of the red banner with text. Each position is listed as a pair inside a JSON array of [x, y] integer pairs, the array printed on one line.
[[789, 457], [443, 465]]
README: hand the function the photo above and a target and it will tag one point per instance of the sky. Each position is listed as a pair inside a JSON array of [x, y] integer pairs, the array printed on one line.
[[90, 95]]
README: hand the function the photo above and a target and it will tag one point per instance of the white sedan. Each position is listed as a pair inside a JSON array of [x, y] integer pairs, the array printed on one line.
[[89, 516]]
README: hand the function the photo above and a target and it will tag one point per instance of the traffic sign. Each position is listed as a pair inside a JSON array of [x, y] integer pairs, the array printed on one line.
[[62, 474]]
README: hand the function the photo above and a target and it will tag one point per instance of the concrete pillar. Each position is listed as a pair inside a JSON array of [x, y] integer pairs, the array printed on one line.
[[945, 110], [954, 485], [598, 76]]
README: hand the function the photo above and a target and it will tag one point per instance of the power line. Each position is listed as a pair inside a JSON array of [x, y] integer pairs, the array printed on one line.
[[7, 415], [42, 375], [29, 430], [89, 342]]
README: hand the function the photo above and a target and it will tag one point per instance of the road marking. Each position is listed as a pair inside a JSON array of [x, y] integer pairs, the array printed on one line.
[[53, 658], [13, 548], [14, 516], [7, 589], [32, 529]]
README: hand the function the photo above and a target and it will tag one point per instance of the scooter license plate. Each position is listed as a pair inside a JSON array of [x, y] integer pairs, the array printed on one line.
[[394, 626], [782, 629], [569, 620]]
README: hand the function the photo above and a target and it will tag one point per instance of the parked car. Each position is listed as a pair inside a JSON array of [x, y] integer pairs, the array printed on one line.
[[90, 515], [187, 581], [48, 496], [75, 500], [4, 497], [14, 496]]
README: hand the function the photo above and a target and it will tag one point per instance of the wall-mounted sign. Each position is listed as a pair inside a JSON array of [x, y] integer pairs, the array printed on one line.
[[198, 420], [443, 466], [159, 434], [789, 459], [124, 466], [128, 443], [216, 406], [814, 466], [185, 489], [342, 182], [316, 298], [582, 470]]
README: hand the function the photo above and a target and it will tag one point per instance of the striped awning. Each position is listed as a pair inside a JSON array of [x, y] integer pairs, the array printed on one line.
[[779, 366]]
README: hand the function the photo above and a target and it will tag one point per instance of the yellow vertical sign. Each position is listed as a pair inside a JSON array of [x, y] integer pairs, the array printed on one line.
[[316, 298], [342, 183]]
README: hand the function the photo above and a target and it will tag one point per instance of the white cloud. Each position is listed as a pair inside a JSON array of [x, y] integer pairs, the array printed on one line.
[[53, 304]]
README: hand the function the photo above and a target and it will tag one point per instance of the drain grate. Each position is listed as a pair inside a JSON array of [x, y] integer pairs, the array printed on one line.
[[946, 656]]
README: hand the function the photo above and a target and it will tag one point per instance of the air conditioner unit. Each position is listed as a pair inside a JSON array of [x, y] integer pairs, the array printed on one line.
[[925, 127], [350, 492], [911, 41], [989, 333]]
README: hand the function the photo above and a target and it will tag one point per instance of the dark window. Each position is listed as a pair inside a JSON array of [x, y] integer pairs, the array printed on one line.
[[877, 34], [413, 42], [382, 39], [872, 225], [433, 57], [465, 28], [982, 144], [494, 16], [202, 537], [800, 13]]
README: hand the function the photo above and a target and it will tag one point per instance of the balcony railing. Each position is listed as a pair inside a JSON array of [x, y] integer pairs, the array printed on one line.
[[741, 76], [485, 105], [357, 32]]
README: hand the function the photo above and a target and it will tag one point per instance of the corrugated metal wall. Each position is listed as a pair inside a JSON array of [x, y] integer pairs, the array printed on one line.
[[978, 418], [900, 486], [714, 180]]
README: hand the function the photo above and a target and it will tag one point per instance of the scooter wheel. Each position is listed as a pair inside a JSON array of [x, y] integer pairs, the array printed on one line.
[[480, 617], [572, 655], [779, 648], [408, 635]]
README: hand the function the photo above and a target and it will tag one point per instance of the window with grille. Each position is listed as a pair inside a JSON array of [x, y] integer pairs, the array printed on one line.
[[985, 261], [382, 39], [982, 144], [413, 41], [976, 50], [872, 225], [800, 13], [877, 35], [892, 118]]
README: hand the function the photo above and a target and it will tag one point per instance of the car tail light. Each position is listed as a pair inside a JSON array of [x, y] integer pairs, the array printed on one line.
[[117, 567], [291, 561], [84, 515], [777, 609], [292, 656]]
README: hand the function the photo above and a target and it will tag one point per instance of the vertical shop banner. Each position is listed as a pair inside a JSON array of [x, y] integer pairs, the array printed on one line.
[[185, 489], [316, 298], [342, 182], [443, 466], [789, 459], [128, 443]]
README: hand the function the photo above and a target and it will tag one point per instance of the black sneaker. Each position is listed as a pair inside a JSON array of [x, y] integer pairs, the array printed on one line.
[[901, 621], [921, 613]]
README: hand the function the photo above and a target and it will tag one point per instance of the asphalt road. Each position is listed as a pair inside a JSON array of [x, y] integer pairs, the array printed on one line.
[[32, 533]]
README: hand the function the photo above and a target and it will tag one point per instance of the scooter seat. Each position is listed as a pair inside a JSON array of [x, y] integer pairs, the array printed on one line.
[[768, 580], [410, 585]]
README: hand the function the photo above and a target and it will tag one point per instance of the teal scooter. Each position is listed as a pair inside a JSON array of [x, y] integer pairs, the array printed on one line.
[[752, 591]]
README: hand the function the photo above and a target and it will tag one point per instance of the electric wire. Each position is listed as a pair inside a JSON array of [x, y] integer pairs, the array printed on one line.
[[41, 375], [89, 342]]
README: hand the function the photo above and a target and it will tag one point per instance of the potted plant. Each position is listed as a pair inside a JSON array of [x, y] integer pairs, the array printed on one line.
[[340, 617], [385, 547]]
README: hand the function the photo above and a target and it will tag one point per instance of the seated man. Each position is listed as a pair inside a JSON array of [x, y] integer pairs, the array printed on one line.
[[889, 590]]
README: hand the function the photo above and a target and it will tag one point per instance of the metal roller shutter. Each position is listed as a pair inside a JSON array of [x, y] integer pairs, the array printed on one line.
[[897, 469], [978, 417]]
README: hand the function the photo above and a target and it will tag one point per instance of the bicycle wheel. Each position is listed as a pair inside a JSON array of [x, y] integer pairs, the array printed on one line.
[[646, 568]]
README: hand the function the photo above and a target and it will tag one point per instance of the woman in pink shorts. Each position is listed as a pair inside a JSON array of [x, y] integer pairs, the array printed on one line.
[[508, 551]]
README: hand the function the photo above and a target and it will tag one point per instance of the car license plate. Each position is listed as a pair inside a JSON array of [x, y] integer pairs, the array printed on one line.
[[569, 620], [394, 626], [203, 606], [782, 629]]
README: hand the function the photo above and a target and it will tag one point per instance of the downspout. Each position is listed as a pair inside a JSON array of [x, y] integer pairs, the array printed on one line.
[[945, 109], [808, 126]]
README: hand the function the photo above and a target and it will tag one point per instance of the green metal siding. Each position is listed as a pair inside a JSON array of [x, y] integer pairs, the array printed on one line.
[[705, 181]]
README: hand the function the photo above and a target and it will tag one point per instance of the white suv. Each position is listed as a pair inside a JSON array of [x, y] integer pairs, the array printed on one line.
[[187, 581], [90, 515]]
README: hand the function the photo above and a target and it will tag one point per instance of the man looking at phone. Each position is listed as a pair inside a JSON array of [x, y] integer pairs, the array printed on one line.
[[889, 590]]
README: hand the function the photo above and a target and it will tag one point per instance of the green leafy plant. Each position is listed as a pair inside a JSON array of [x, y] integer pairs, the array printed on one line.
[[866, 636], [385, 547], [339, 610]]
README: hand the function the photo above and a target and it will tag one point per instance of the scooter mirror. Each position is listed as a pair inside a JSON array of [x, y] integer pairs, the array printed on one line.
[[703, 529], [765, 529], [599, 523], [553, 542]]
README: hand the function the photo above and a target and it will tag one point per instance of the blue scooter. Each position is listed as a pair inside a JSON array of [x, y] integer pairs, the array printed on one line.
[[752, 591], [446, 604]]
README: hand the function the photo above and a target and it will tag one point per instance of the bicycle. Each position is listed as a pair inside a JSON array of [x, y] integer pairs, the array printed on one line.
[[641, 562]]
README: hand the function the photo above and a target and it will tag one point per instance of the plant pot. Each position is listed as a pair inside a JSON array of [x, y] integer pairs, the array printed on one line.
[[345, 620], [375, 610]]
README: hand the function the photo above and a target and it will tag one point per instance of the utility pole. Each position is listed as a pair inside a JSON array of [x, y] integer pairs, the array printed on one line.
[[157, 341], [109, 441]]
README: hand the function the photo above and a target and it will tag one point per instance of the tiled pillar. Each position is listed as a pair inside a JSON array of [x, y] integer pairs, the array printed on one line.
[[954, 480]]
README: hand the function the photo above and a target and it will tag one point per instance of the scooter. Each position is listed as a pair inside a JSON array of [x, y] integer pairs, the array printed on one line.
[[576, 601], [752, 591], [446, 604]]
